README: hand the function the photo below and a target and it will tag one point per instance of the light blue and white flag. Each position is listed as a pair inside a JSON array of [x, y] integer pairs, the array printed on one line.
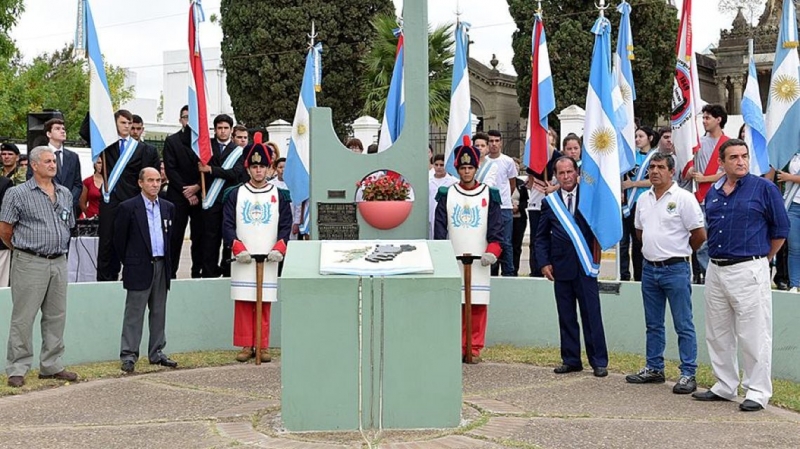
[[623, 77], [783, 105], [102, 127], [600, 181], [394, 115], [755, 130], [459, 123], [296, 173]]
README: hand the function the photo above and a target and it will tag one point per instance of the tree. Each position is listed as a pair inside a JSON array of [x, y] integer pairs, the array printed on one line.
[[751, 9], [379, 63], [52, 81], [264, 47], [10, 10], [568, 24]]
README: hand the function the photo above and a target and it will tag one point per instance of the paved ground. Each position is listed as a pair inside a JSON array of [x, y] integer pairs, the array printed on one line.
[[505, 406]]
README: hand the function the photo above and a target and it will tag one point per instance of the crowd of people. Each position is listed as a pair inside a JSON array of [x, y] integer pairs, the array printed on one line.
[[713, 219]]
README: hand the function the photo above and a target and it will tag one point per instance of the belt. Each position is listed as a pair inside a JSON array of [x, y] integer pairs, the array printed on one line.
[[157, 258], [729, 262], [43, 256], [670, 261]]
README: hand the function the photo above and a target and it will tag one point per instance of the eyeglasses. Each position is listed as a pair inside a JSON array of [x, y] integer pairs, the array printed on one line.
[[184, 117]]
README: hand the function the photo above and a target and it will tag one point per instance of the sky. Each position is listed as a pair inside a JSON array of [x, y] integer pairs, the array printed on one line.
[[136, 36]]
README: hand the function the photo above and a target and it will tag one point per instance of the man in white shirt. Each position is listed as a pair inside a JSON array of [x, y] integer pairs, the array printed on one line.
[[670, 224], [507, 172], [487, 172], [440, 178]]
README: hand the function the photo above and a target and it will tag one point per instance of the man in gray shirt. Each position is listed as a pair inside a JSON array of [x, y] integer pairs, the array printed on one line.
[[35, 222]]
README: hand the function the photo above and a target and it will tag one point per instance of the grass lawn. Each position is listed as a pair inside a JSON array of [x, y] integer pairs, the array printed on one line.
[[786, 393]]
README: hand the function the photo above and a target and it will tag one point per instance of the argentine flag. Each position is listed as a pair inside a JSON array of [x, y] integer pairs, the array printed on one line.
[[600, 181], [297, 158], [542, 103], [102, 127], [783, 107], [623, 77], [395, 112], [755, 130], [459, 124]]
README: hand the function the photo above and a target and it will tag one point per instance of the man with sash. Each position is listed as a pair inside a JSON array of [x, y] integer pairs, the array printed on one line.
[[704, 171], [224, 170], [564, 251], [122, 162], [257, 222], [468, 214], [633, 184], [487, 172]]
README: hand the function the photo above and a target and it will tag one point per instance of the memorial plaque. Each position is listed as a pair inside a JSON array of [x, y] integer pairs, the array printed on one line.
[[337, 221]]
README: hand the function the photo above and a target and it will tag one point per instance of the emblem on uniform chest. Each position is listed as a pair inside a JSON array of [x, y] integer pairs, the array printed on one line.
[[255, 213], [466, 216], [671, 206]]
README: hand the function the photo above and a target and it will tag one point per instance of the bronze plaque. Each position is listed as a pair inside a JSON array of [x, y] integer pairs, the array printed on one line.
[[337, 221]]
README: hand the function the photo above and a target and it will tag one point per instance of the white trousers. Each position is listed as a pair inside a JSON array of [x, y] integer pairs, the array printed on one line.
[[5, 267], [739, 310]]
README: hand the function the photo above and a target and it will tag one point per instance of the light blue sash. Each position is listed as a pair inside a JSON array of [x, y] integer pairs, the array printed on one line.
[[484, 170], [216, 186], [787, 202], [568, 222], [119, 167], [626, 208]]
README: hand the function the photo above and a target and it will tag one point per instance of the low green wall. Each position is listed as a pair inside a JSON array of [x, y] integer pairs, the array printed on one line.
[[522, 313]]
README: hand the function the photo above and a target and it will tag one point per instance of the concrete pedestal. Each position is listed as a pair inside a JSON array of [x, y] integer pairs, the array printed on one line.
[[402, 334]]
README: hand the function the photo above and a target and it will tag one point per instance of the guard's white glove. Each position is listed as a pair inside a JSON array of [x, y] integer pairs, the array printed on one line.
[[275, 256], [244, 257], [488, 259]]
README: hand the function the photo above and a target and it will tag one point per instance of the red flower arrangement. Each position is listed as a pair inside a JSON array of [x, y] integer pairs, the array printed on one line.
[[384, 188]]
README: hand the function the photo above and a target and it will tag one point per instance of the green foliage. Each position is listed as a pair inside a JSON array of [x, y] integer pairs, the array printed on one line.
[[51, 81], [568, 24], [10, 11], [264, 48], [379, 63]]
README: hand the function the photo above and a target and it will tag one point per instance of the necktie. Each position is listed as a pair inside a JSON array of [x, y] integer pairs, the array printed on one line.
[[58, 160], [221, 148], [121, 147], [569, 204]]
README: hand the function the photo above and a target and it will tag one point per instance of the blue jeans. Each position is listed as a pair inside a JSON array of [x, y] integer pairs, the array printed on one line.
[[702, 253], [507, 257], [670, 283], [794, 245]]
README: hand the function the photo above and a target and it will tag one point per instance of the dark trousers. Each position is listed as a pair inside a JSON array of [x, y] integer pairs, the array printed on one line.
[[155, 299], [108, 264], [782, 265], [212, 240], [533, 218], [581, 292], [628, 251], [517, 235], [191, 215]]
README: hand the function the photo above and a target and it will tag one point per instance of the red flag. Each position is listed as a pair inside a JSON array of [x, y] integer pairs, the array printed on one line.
[[198, 113]]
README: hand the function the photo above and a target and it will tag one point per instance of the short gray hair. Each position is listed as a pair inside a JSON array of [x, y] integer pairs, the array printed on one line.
[[36, 153]]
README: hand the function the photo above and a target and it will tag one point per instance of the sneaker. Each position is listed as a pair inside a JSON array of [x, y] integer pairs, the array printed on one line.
[[685, 385], [646, 376]]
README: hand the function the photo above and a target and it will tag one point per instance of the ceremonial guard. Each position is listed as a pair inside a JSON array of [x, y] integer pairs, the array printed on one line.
[[468, 213], [257, 222]]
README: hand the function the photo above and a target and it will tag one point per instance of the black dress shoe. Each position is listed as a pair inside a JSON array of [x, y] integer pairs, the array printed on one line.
[[750, 406], [563, 369], [165, 361], [708, 396], [600, 371], [127, 366]]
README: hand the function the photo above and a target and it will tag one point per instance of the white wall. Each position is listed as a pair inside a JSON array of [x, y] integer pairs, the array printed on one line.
[[176, 84]]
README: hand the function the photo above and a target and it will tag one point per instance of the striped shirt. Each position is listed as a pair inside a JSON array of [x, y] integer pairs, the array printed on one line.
[[39, 224]]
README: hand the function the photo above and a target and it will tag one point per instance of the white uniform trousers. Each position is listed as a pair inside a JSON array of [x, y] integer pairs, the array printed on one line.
[[739, 309]]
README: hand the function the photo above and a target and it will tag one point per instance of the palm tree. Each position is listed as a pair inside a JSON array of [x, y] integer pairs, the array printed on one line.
[[379, 63]]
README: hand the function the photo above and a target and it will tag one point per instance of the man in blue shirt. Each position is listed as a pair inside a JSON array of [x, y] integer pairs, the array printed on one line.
[[747, 224]]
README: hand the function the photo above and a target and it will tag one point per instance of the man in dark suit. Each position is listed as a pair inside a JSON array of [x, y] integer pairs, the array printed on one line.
[[131, 157], [180, 165], [68, 165], [560, 261], [226, 169], [142, 239]]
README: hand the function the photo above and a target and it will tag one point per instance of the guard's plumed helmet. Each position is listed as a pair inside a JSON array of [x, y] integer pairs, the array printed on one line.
[[466, 154], [258, 153]]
